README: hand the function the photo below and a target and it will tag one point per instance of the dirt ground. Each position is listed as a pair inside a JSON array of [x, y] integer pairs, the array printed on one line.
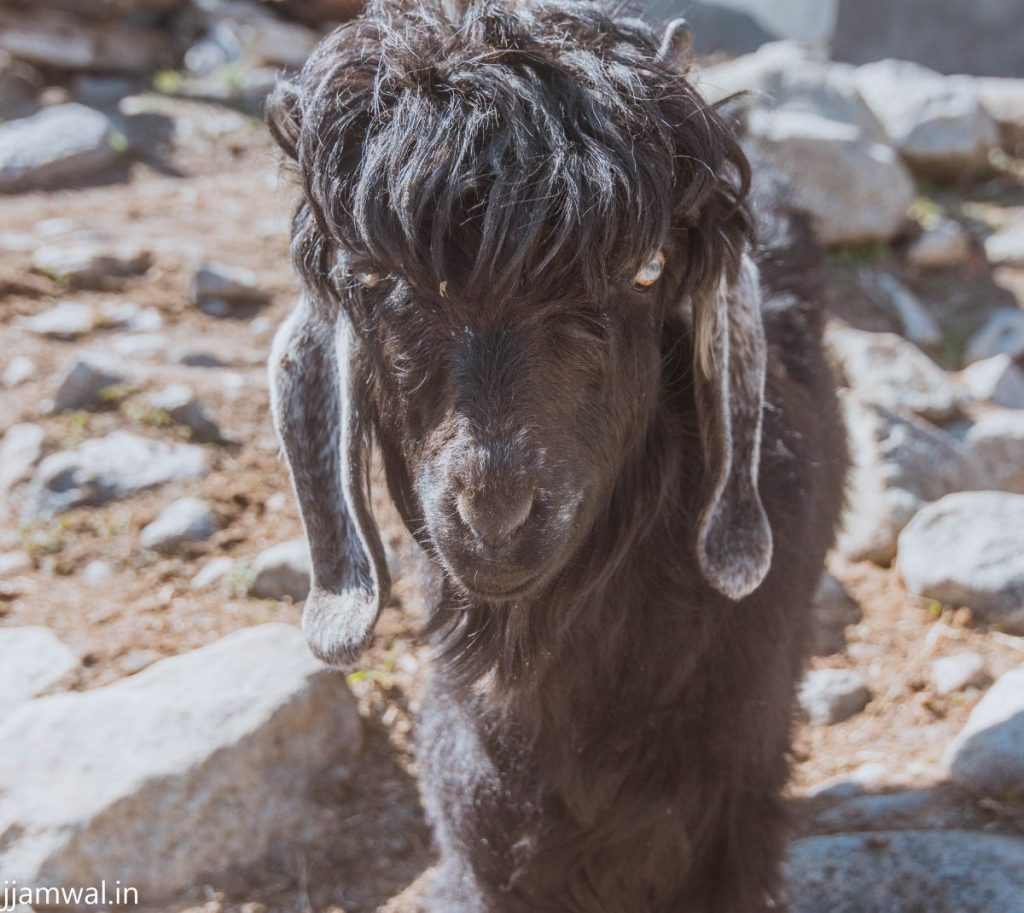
[[219, 195]]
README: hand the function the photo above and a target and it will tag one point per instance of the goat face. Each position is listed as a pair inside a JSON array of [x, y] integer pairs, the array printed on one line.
[[513, 415], [489, 192]]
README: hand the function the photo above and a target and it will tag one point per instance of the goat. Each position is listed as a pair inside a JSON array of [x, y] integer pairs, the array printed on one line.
[[531, 281]]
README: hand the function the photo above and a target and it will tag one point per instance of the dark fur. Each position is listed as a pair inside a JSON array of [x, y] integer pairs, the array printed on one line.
[[614, 738]]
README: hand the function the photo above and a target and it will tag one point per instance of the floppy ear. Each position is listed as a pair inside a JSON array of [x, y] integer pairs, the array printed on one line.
[[316, 399], [734, 539], [676, 50]]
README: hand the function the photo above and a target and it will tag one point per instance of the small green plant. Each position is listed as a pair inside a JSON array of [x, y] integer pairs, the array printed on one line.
[[927, 212], [168, 82], [857, 255], [118, 142]]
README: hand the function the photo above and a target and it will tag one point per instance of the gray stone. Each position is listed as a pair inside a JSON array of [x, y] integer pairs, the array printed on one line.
[[876, 812], [1006, 246], [20, 450], [957, 672], [996, 380], [892, 295], [195, 764], [83, 383], [185, 520], [899, 464], [31, 661], [91, 264], [281, 571], [106, 468], [988, 755], [1002, 334], [940, 246], [967, 549], [138, 345], [220, 290], [65, 320], [938, 124], [19, 370], [855, 190], [887, 370], [60, 145], [995, 446], [12, 563], [180, 403], [54, 39], [98, 573], [214, 571], [832, 611], [127, 315], [1004, 100], [906, 872], [829, 696]]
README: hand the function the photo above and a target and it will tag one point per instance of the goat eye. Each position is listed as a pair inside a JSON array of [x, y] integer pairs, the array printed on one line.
[[651, 271], [368, 280]]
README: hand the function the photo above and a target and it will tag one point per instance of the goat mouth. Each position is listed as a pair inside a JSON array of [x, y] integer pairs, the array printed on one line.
[[496, 593]]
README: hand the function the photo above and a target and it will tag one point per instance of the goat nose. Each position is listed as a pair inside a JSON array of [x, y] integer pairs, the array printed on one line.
[[495, 518]]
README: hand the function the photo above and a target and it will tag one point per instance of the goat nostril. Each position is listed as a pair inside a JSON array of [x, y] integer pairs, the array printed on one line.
[[494, 520]]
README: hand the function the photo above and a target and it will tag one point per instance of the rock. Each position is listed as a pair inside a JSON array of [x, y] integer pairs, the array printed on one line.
[[1002, 334], [196, 764], [221, 290], [201, 360], [31, 660], [854, 190], [829, 696], [20, 450], [281, 570], [91, 265], [19, 370], [62, 41], [885, 369], [995, 446], [1006, 246], [184, 520], [996, 380], [12, 563], [832, 610], [906, 872], [106, 468], [61, 145], [937, 124], [957, 672], [892, 295], [788, 76], [214, 571], [97, 573], [1004, 100], [988, 755], [180, 403], [899, 464], [83, 383], [138, 345], [65, 320], [940, 246], [274, 43], [129, 316], [967, 549], [875, 812]]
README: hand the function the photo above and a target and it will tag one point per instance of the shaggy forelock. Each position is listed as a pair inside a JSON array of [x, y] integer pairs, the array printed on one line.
[[526, 148]]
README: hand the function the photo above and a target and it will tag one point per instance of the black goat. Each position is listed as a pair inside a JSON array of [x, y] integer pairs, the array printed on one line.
[[604, 414]]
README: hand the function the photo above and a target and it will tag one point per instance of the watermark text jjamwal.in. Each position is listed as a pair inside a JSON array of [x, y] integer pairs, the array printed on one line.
[[111, 895]]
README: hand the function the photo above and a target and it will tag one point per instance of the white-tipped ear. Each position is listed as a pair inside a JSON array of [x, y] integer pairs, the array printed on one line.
[[316, 409], [734, 538], [676, 50]]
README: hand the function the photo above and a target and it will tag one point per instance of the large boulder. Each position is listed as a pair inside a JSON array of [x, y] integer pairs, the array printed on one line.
[[967, 549], [906, 872], [900, 463], [31, 661], [938, 124], [988, 755], [885, 369], [198, 763], [62, 145], [995, 447], [855, 190], [104, 469]]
